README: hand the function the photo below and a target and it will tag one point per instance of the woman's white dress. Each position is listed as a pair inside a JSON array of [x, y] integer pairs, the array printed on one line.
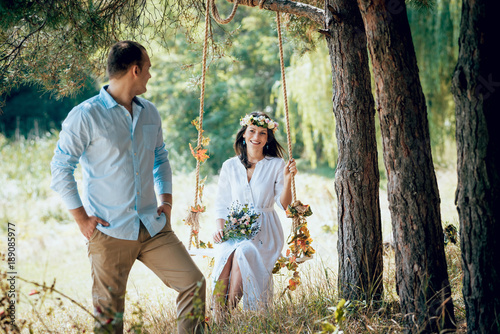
[[255, 257]]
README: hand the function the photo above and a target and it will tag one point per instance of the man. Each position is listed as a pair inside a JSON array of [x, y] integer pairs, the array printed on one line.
[[117, 138]]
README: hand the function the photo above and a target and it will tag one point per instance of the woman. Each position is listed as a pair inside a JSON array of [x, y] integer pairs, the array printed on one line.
[[259, 177]]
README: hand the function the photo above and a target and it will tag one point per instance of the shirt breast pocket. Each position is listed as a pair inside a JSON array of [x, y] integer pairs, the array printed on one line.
[[149, 135]]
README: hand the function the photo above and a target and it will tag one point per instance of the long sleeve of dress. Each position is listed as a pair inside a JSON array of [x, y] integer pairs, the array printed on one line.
[[279, 185], [223, 197]]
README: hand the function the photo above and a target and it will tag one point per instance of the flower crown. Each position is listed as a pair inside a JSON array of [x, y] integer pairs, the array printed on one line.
[[260, 121]]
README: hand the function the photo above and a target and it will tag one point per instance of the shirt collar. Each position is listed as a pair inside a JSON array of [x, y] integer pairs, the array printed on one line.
[[136, 101], [108, 100]]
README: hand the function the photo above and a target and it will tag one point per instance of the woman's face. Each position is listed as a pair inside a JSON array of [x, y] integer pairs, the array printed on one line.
[[255, 137]]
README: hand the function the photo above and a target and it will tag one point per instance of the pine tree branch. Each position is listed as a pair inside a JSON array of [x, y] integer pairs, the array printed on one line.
[[291, 7]]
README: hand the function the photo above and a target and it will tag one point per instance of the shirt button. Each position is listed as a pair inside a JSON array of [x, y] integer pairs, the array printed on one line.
[[136, 173], [135, 153], [137, 193]]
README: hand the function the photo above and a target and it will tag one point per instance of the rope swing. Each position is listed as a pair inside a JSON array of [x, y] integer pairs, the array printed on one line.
[[199, 152], [299, 241]]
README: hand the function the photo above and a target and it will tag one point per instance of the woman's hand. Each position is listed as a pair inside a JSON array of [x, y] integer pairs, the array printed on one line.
[[218, 235], [290, 169]]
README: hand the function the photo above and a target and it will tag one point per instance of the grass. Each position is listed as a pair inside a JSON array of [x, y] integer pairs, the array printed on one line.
[[51, 251]]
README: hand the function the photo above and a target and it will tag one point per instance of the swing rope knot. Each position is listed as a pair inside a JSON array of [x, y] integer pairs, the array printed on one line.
[[215, 12]]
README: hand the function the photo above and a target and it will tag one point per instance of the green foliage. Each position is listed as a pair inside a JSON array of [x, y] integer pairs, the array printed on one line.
[[25, 177], [244, 76], [450, 234], [30, 104], [420, 4], [51, 44], [236, 84], [435, 31], [301, 311], [309, 87], [329, 229], [67, 39], [302, 33], [338, 318], [56, 44], [25, 166], [243, 60], [198, 312]]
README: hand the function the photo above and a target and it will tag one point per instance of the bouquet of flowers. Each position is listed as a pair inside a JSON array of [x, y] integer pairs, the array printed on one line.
[[241, 222]]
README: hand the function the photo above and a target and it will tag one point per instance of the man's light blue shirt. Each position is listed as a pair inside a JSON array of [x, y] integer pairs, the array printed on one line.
[[123, 160]]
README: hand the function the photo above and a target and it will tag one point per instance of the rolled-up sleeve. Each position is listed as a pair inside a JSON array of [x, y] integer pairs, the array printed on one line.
[[162, 171], [73, 140]]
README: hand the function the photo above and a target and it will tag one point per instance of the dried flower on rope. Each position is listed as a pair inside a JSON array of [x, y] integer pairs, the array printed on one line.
[[200, 154], [198, 208], [299, 246], [206, 245]]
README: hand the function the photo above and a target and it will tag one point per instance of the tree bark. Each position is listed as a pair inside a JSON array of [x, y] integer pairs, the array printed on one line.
[[357, 175], [476, 89], [421, 272]]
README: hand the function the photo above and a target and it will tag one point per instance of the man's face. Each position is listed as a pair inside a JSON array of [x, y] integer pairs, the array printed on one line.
[[143, 75]]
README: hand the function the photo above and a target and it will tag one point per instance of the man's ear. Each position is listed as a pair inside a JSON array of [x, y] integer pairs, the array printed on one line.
[[135, 70]]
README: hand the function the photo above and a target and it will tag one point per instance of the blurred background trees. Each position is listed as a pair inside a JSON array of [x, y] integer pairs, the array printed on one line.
[[243, 76]]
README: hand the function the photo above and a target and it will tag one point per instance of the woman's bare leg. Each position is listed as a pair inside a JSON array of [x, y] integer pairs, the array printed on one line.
[[235, 285], [222, 286]]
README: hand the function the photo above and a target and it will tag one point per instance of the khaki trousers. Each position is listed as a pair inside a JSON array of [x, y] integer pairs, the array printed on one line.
[[111, 260]]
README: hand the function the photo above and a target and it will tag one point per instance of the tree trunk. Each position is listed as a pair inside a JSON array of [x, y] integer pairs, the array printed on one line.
[[357, 176], [476, 88], [421, 272]]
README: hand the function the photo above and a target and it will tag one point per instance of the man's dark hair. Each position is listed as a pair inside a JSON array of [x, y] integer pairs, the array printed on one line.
[[122, 55]]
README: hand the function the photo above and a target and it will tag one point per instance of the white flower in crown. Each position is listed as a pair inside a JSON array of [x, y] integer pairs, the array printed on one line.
[[261, 121]]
